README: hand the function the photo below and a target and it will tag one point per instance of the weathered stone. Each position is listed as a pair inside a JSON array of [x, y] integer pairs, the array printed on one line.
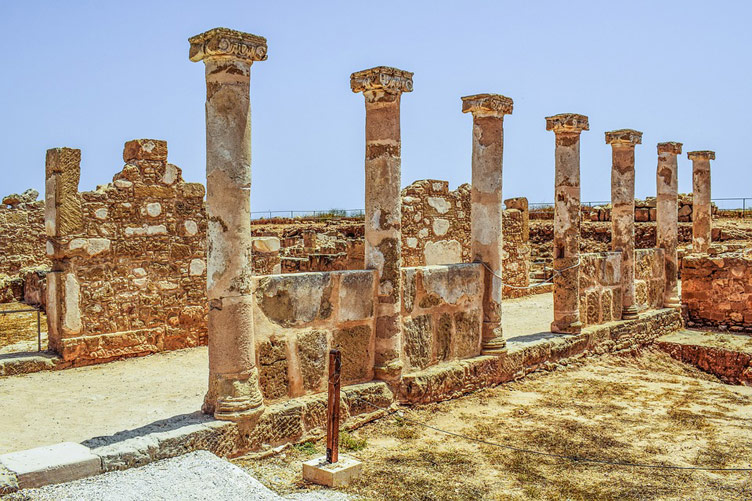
[[355, 345], [418, 340], [312, 357]]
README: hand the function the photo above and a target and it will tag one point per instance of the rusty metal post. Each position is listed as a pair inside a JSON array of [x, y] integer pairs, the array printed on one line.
[[39, 330], [332, 422]]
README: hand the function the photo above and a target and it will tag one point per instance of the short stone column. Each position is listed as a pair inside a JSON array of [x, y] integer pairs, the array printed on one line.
[[667, 217], [702, 215], [486, 241], [623, 143], [233, 377], [383, 88], [567, 128]]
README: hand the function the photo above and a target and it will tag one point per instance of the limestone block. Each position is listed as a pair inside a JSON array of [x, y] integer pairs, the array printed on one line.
[[440, 227], [338, 474], [444, 337], [312, 357], [355, 345], [272, 363], [417, 335], [145, 149], [197, 267], [290, 300], [52, 464], [356, 293], [266, 244], [441, 205], [191, 228], [442, 252], [153, 209], [467, 333], [453, 282]]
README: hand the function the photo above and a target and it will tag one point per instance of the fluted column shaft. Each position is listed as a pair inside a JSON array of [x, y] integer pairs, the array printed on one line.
[[667, 216]]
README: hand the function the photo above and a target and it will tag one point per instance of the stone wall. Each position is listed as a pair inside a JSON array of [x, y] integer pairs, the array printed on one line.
[[441, 314], [600, 287], [436, 230], [21, 242], [435, 223], [129, 272], [298, 318], [717, 290], [650, 278]]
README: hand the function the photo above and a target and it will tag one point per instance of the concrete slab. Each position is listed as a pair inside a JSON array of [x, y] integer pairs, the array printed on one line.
[[52, 464], [321, 472]]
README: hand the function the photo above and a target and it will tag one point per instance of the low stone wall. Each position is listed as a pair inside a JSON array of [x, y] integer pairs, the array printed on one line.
[[298, 318], [600, 287], [717, 290], [441, 313], [650, 278], [454, 379]]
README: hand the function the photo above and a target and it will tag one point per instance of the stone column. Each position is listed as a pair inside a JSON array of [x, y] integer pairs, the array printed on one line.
[[667, 216], [623, 143], [486, 240], [233, 377], [63, 218], [702, 216], [567, 128], [382, 88]]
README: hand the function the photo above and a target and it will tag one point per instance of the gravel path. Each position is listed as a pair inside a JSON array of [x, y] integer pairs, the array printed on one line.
[[197, 476]]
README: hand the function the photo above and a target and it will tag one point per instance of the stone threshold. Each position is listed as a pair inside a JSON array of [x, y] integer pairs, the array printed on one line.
[[530, 353], [14, 364], [725, 355]]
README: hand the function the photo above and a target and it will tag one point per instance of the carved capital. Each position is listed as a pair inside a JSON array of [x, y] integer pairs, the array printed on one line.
[[494, 105], [701, 155], [382, 79], [224, 42], [629, 137], [670, 147], [567, 122]]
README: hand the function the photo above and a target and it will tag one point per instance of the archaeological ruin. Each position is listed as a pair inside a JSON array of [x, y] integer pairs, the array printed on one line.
[[412, 293]]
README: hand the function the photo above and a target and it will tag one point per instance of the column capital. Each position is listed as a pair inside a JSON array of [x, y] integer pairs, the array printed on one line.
[[382, 78], [487, 105], [224, 42], [567, 122], [670, 147], [627, 137], [701, 155]]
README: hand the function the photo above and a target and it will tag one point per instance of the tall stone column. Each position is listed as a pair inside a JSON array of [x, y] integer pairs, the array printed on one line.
[[702, 215], [63, 219], [233, 377], [667, 216], [486, 241], [623, 143], [567, 128], [382, 88]]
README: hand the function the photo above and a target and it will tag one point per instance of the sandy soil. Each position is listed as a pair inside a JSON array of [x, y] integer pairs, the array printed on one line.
[[78, 404], [649, 409], [18, 331]]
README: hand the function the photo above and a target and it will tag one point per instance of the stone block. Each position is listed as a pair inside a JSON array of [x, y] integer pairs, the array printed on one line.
[[467, 333], [444, 336], [312, 357], [295, 300], [418, 340], [451, 283], [338, 474], [52, 464], [356, 293], [272, 360], [355, 345], [145, 149]]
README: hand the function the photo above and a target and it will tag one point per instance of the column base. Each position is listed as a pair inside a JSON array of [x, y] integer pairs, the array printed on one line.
[[566, 327], [629, 313], [494, 347], [233, 397]]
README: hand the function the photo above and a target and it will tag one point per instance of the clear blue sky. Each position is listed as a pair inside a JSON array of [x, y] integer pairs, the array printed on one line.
[[94, 74]]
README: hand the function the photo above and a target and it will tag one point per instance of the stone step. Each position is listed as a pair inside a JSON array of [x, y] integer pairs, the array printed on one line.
[[52, 464]]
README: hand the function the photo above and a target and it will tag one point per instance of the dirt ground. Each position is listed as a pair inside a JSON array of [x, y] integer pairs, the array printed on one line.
[[649, 409], [18, 331], [77, 404]]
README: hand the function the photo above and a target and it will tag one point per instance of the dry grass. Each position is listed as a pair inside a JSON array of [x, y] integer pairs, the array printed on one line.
[[649, 409]]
